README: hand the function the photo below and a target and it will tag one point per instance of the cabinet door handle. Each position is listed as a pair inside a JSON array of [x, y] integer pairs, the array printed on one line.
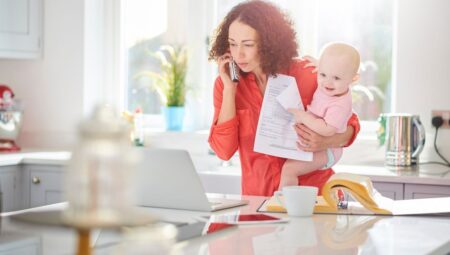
[[36, 180]]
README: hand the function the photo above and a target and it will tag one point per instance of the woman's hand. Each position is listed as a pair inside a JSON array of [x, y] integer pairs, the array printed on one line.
[[224, 72], [313, 62], [228, 108], [309, 140]]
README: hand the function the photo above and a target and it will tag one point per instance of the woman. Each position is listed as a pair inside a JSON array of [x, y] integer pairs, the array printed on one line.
[[261, 41]]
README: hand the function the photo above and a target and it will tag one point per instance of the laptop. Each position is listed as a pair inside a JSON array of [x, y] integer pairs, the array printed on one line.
[[167, 178]]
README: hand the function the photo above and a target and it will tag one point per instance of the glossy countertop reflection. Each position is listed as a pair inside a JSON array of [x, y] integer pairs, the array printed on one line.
[[332, 234], [318, 234], [322, 234]]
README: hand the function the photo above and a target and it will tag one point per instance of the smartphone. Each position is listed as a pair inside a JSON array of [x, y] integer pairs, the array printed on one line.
[[247, 219], [234, 71]]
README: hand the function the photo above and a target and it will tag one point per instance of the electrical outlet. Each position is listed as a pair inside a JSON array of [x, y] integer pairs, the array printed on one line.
[[445, 116]]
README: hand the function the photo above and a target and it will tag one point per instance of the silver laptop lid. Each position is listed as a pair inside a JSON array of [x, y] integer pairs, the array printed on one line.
[[167, 178]]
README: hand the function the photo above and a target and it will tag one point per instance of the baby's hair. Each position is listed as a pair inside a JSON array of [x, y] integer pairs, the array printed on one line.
[[343, 48]]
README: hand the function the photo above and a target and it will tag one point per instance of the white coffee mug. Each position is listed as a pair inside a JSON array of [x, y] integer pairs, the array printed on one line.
[[298, 200]]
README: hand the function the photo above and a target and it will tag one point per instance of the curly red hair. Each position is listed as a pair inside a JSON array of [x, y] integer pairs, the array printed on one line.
[[277, 44]]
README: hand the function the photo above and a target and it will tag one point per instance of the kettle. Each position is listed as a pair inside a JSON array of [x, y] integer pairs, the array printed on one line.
[[404, 136]]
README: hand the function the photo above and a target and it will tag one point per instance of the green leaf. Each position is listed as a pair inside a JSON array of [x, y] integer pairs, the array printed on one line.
[[170, 82]]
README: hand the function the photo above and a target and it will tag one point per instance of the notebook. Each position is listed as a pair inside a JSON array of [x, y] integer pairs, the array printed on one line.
[[167, 178]]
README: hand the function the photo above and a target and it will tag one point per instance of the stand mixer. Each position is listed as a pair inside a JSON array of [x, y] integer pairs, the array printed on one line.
[[10, 120]]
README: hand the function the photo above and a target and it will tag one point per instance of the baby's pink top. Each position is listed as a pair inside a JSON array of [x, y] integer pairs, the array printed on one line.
[[334, 110]]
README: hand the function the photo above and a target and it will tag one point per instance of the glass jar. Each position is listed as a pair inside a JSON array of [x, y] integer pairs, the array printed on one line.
[[101, 171]]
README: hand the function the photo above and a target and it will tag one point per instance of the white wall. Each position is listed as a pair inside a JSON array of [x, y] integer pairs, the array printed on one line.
[[423, 67], [51, 87], [421, 75]]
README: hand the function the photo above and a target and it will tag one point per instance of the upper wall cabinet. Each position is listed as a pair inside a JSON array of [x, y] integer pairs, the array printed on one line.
[[20, 29]]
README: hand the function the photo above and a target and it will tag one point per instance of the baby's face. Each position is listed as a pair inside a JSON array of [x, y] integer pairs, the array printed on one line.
[[335, 74]]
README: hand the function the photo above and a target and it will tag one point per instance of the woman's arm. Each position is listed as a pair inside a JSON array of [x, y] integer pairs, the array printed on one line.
[[223, 137], [311, 141]]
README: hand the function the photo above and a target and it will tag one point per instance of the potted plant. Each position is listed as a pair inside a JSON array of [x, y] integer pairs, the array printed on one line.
[[170, 83]]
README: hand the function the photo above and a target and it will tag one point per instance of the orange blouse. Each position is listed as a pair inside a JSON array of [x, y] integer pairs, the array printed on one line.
[[261, 172]]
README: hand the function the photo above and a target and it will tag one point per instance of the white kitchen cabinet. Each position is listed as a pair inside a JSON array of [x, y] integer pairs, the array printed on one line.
[[415, 191], [10, 188], [390, 190], [44, 184], [20, 29]]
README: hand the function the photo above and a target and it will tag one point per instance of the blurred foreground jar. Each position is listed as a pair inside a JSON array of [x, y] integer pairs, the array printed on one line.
[[100, 173]]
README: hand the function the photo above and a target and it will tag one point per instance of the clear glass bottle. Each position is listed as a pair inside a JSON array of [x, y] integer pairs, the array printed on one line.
[[138, 132]]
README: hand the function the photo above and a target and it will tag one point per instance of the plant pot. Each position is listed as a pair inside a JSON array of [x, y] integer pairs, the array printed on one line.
[[174, 116]]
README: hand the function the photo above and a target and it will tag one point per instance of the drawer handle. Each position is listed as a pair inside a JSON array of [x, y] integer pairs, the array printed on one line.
[[36, 180]]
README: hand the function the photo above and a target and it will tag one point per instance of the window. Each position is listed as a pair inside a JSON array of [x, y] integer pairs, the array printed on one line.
[[368, 26], [148, 24], [365, 24], [144, 24]]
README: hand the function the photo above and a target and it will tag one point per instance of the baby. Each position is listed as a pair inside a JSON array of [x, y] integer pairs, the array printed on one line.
[[330, 109]]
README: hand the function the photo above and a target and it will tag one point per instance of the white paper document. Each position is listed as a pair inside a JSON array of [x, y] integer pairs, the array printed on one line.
[[275, 134]]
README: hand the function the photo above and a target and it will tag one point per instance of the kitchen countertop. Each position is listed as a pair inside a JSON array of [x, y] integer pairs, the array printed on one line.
[[318, 234], [424, 174], [35, 156]]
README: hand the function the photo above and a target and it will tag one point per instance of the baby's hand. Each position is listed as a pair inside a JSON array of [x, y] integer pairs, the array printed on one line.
[[298, 114]]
